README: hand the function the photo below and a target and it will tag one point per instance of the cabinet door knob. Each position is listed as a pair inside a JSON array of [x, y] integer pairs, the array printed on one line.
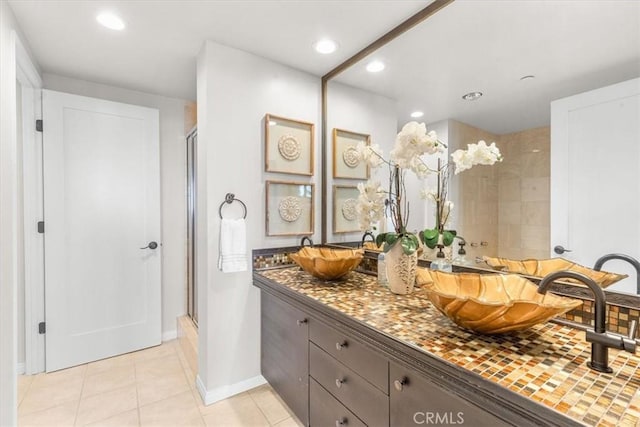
[[341, 422], [339, 382], [340, 346], [399, 384], [560, 250], [301, 322]]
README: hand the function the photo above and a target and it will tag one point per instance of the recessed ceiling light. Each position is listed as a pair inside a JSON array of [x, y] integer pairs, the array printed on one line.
[[111, 21], [417, 114], [325, 46], [471, 96], [529, 77], [375, 66]]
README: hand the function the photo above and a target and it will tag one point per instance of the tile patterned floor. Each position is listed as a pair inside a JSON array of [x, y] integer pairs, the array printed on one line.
[[152, 387]]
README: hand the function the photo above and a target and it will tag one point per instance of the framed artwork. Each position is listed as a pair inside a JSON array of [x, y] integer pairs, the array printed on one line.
[[345, 216], [288, 145], [290, 208], [346, 163]]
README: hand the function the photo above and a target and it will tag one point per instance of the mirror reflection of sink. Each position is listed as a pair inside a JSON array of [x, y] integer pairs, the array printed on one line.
[[491, 303], [543, 267], [328, 263]]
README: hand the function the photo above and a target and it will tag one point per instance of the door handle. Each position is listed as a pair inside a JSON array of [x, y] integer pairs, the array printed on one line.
[[151, 245], [560, 250]]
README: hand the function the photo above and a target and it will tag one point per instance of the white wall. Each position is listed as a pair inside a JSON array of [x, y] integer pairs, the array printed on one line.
[[10, 235], [235, 90], [172, 183], [364, 112]]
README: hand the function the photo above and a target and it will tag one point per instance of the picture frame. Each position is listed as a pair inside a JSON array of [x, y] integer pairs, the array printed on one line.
[[345, 217], [345, 164], [290, 208], [289, 145]]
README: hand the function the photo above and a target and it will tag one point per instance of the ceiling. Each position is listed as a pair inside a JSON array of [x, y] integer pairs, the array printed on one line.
[[157, 51], [487, 46]]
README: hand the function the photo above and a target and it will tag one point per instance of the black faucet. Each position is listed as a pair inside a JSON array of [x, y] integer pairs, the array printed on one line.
[[364, 237], [599, 338], [634, 262], [306, 239]]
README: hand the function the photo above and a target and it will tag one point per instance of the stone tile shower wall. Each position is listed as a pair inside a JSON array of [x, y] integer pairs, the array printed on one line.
[[524, 194]]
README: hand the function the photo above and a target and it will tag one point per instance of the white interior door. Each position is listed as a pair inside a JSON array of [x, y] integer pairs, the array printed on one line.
[[101, 206], [595, 177]]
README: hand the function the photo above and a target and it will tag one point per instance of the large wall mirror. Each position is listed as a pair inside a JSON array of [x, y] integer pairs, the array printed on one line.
[[522, 56]]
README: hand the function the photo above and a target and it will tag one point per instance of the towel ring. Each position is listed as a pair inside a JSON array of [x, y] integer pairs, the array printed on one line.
[[230, 198]]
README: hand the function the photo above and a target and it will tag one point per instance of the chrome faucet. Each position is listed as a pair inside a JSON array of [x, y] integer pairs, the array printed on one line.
[[306, 239], [634, 262], [599, 338]]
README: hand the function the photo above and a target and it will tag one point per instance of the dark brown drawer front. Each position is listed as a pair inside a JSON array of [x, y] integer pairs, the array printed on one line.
[[358, 395], [370, 365], [326, 411], [416, 400]]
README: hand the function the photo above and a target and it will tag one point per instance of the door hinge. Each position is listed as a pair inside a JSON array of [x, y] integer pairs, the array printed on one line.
[[39, 125], [42, 328], [41, 227]]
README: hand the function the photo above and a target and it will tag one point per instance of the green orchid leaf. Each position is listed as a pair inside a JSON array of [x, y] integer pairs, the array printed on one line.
[[408, 245], [414, 239], [430, 238], [390, 240], [447, 237], [380, 239]]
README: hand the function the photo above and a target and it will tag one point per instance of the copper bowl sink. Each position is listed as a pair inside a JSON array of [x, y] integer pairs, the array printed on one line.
[[327, 263], [492, 303], [543, 267]]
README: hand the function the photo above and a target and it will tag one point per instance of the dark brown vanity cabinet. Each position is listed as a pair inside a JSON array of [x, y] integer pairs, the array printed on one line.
[[415, 400], [285, 353]]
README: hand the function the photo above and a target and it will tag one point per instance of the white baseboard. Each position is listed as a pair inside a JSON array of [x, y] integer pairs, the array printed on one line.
[[169, 335], [20, 369], [220, 393]]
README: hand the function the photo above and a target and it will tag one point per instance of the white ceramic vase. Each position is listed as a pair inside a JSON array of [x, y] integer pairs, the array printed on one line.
[[401, 270]]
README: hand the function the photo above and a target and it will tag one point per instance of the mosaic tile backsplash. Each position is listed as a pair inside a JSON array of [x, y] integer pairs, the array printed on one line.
[[546, 363]]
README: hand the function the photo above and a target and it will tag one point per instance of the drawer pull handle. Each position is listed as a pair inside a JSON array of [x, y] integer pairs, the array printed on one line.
[[301, 322], [339, 382], [340, 346], [341, 422], [399, 384]]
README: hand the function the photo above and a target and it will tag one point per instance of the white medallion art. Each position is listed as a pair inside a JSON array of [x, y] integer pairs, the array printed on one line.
[[349, 209], [350, 157], [289, 147], [290, 209]]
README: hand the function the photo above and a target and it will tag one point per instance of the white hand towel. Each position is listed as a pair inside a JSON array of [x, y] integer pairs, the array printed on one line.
[[233, 246]]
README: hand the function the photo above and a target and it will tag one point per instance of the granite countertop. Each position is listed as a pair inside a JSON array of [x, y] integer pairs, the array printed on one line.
[[546, 363]]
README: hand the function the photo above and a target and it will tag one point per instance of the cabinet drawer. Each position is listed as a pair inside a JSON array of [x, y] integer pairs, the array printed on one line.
[[414, 399], [326, 411], [366, 362], [358, 395]]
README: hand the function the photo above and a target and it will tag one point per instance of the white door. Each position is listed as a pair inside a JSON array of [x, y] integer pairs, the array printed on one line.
[[595, 177], [101, 206]]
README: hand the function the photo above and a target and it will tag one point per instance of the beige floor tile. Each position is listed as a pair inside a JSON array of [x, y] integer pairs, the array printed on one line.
[[126, 419], [40, 397], [238, 410], [179, 410], [165, 349], [161, 388], [24, 382], [270, 406], [289, 422], [62, 415], [59, 377], [110, 363], [109, 380], [149, 370], [106, 405]]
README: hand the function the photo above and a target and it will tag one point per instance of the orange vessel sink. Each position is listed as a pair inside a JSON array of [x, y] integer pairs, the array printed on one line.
[[327, 263], [491, 303]]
